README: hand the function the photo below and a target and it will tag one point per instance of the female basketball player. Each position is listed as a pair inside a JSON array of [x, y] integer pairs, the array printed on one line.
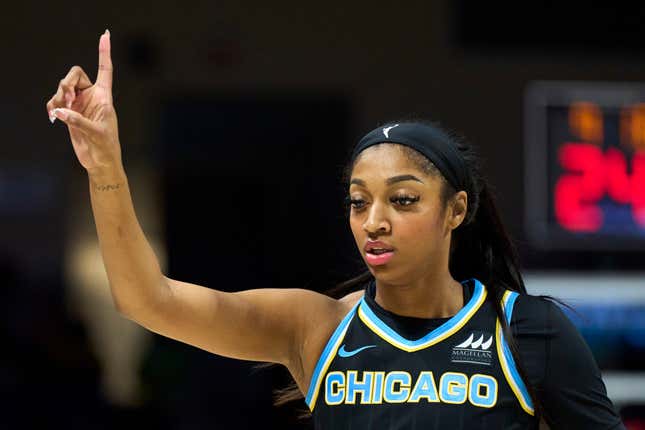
[[441, 334]]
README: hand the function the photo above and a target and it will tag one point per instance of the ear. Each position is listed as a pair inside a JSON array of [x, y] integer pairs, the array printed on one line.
[[458, 208]]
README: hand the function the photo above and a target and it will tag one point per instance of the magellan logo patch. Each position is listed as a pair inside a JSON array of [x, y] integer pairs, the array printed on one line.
[[475, 349]]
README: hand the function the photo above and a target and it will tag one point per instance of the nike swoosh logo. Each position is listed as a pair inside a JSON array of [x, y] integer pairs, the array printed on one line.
[[344, 353], [386, 130]]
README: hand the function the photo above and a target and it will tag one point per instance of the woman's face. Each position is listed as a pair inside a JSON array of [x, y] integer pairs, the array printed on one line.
[[397, 204]]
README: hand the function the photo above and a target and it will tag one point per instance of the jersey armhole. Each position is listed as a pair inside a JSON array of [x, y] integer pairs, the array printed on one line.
[[506, 358], [327, 356]]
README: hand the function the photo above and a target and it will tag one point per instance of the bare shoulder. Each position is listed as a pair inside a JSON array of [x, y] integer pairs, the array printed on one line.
[[323, 320], [327, 312], [324, 310], [350, 299]]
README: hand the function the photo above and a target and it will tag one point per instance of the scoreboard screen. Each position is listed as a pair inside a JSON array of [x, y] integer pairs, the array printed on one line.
[[585, 165]]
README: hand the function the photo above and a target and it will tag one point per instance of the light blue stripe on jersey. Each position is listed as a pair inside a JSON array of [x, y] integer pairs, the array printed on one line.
[[508, 306], [326, 357], [509, 302]]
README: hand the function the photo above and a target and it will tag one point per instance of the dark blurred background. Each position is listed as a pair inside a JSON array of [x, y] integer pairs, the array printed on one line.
[[236, 119]]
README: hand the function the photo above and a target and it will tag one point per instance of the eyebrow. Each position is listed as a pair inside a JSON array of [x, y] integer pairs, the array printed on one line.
[[389, 181]]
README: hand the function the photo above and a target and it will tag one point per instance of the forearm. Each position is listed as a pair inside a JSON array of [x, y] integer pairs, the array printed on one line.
[[132, 267]]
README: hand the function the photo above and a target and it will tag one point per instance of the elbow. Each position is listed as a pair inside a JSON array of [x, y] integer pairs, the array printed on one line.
[[123, 307], [120, 307], [135, 312], [134, 304]]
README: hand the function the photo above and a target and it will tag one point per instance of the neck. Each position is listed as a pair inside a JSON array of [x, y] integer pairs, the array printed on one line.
[[436, 295]]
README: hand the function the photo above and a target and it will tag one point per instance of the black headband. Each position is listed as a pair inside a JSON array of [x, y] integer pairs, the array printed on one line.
[[428, 140]]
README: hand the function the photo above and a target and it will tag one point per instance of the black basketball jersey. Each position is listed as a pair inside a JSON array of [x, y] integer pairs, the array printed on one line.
[[460, 375]]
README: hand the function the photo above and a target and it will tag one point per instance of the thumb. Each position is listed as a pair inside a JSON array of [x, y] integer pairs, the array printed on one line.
[[76, 120]]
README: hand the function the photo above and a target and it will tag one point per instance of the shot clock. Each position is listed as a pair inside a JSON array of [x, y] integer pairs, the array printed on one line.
[[585, 165]]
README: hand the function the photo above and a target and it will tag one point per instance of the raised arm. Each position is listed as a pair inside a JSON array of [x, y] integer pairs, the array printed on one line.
[[266, 325]]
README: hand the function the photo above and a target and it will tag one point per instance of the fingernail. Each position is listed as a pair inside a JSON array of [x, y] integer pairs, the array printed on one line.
[[60, 113], [52, 116], [107, 32]]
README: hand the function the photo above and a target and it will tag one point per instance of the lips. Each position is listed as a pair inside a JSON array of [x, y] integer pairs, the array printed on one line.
[[377, 247], [378, 253]]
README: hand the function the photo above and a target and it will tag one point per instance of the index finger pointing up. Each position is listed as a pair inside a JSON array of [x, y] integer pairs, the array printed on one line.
[[104, 76]]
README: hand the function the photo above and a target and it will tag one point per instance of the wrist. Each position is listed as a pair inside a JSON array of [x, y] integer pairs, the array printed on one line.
[[107, 178]]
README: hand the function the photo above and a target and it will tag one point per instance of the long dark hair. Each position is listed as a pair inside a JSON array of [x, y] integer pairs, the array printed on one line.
[[480, 248]]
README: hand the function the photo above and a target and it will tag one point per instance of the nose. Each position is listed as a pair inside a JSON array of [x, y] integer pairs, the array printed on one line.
[[376, 221]]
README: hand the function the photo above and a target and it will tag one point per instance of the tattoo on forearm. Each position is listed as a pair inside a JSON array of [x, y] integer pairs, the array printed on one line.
[[108, 187]]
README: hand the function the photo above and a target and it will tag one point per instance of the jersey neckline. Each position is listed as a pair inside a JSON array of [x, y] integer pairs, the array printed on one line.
[[411, 328], [447, 326]]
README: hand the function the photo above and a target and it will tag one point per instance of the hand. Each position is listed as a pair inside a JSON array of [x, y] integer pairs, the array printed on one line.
[[89, 114]]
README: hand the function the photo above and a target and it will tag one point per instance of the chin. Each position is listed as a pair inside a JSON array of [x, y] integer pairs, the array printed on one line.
[[396, 275], [386, 274]]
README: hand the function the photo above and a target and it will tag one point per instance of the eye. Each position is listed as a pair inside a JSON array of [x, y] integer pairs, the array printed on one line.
[[354, 203], [357, 203], [404, 200]]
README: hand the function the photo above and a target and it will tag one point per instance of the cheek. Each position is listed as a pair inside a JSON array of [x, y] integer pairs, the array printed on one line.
[[356, 226], [420, 232]]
